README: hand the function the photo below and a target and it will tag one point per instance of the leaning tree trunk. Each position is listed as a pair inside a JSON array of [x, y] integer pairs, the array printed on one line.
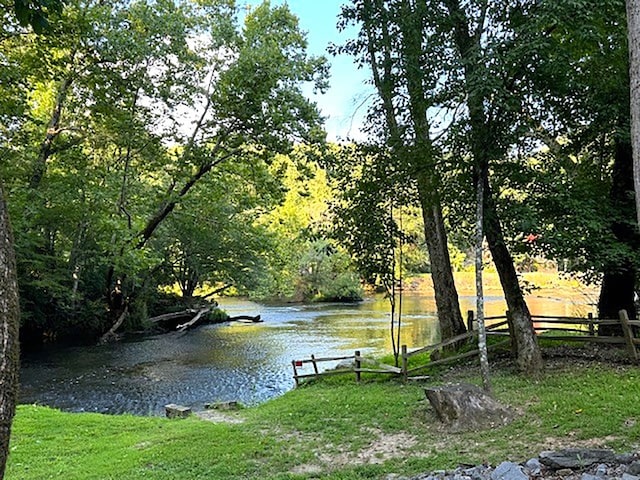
[[619, 276], [633, 24], [9, 328], [529, 357]]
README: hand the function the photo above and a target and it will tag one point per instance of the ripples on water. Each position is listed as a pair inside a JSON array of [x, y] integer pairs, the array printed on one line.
[[246, 362]]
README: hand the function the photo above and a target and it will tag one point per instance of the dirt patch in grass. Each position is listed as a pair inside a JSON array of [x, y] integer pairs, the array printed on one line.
[[383, 447], [219, 417]]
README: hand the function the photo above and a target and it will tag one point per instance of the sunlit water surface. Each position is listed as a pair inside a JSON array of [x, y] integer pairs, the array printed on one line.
[[247, 362]]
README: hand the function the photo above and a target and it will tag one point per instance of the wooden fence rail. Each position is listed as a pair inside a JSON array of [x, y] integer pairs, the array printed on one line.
[[581, 329]]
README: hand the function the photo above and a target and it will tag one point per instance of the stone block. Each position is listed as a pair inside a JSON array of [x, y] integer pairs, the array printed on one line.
[[177, 411]]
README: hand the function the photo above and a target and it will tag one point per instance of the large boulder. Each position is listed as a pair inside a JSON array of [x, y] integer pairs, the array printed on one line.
[[464, 407]]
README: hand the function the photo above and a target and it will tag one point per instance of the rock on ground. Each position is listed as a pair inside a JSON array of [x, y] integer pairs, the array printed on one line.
[[467, 407], [569, 464]]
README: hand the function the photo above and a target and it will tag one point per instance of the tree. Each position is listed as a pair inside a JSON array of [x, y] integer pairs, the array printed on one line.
[[434, 56], [477, 33], [9, 327], [633, 29], [391, 44], [303, 261], [578, 108], [35, 14], [214, 237]]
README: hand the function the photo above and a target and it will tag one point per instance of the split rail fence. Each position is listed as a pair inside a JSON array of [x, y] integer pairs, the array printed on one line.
[[548, 327]]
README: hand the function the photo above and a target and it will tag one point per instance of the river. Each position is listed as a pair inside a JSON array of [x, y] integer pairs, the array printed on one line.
[[247, 362]]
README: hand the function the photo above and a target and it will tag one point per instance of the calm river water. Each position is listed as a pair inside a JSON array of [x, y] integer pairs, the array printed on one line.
[[247, 362]]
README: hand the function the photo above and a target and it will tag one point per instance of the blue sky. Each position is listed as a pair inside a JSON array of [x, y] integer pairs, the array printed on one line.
[[342, 102]]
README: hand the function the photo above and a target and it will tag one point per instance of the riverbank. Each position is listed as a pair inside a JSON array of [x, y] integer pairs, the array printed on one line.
[[338, 429], [544, 284]]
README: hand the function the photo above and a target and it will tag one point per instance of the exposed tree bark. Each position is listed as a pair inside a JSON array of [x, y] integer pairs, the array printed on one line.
[[482, 332], [173, 316], [448, 308], [529, 357], [633, 24], [111, 334], [619, 277], [9, 328], [194, 321]]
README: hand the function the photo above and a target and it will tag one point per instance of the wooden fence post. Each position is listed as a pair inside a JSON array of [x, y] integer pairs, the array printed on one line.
[[315, 365], [470, 319], [592, 328], [628, 334], [405, 360], [512, 336], [295, 372], [357, 361]]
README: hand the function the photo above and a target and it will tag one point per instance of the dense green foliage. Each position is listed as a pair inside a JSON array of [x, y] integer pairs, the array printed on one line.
[[532, 95], [149, 143], [303, 264], [135, 145]]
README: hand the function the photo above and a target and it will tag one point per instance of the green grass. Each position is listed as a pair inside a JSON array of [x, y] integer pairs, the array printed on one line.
[[333, 429]]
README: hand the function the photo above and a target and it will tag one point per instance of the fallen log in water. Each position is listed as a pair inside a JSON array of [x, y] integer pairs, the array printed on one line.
[[173, 315], [247, 318], [195, 320], [191, 317], [111, 334]]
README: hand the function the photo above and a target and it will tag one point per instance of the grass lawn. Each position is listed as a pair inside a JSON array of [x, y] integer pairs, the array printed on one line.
[[335, 429]]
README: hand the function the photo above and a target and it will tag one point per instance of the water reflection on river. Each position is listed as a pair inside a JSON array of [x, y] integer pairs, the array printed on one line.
[[237, 361]]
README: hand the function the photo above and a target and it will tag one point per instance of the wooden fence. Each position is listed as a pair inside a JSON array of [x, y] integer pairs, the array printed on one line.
[[355, 367], [552, 328]]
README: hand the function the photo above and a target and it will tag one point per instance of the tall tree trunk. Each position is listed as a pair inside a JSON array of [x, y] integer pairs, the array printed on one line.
[[449, 317], [479, 267], [619, 276], [427, 176], [447, 304], [529, 357], [9, 327], [633, 24]]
